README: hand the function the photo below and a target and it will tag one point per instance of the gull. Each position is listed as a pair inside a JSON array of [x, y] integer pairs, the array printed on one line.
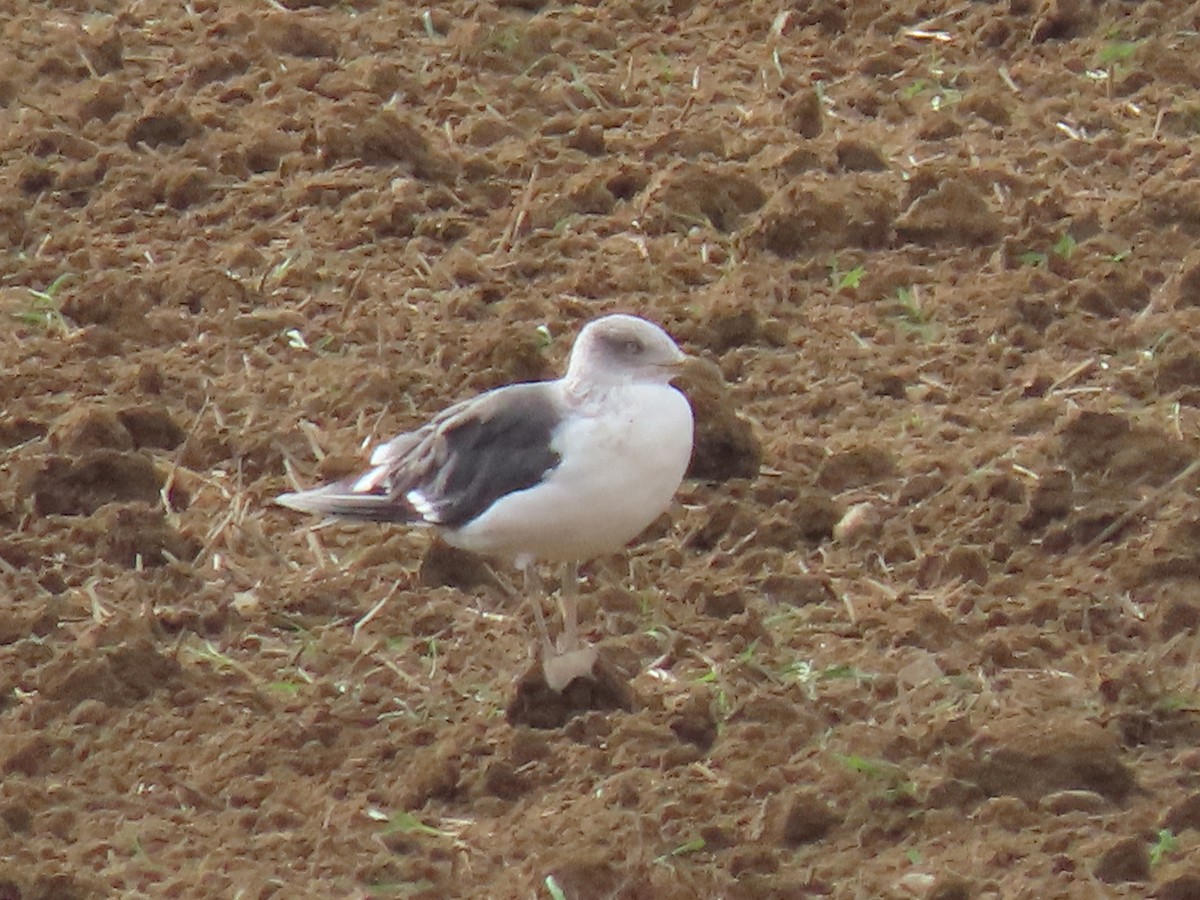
[[557, 471]]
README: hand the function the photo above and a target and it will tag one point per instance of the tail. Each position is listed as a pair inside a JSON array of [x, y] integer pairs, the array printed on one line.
[[341, 501]]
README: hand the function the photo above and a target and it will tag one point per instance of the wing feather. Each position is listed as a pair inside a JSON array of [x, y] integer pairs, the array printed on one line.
[[453, 468]]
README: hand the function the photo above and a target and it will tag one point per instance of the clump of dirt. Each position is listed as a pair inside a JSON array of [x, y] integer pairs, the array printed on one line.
[[809, 218], [682, 196], [122, 676], [954, 211], [725, 445], [135, 535], [1109, 447], [90, 427], [443, 565], [1031, 764], [538, 705], [80, 485]]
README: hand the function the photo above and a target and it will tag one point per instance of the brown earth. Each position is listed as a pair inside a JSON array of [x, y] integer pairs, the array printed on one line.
[[941, 642]]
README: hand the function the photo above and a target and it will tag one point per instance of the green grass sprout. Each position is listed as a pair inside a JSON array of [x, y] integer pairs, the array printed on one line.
[[1165, 845], [45, 308], [693, 846]]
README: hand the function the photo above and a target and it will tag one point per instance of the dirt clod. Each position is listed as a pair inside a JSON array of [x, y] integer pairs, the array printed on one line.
[[950, 887], [797, 590], [1052, 498], [1108, 446], [954, 212], [537, 705], [725, 444], [1031, 764], [79, 486], [681, 197], [695, 723], [1179, 887], [1126, 860], [855, 468], [804, 114], [445, 565], [171, 127], [88, 428], [802, 219], [137, 534], [1185, 814], [798, 818], [854, 156], [120, 677]]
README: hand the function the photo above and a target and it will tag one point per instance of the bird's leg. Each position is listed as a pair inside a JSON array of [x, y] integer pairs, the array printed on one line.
[[568, 604], [572, 659], [534, 592]]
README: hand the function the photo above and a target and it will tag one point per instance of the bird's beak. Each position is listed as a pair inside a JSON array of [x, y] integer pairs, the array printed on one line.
[[685, 363]]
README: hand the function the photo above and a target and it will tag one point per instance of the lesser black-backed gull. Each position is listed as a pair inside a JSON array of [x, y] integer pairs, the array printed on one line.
[[560, 471]]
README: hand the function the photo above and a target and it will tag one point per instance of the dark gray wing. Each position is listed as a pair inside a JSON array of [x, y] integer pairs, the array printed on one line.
[[454, 468]]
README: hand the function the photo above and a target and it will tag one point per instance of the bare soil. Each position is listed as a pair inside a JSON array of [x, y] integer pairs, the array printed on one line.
[[924, 621]]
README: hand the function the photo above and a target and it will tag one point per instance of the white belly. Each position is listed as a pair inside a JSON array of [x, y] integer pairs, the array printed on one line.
[[621, 465]]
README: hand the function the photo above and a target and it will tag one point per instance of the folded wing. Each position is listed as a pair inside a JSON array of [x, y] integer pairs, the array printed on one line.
[[454, 468]]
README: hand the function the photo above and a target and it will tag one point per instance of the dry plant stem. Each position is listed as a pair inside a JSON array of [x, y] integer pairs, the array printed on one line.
[[374, 610]]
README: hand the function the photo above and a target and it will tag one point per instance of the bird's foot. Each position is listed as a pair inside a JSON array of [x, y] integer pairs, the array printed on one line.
[[562, 667]]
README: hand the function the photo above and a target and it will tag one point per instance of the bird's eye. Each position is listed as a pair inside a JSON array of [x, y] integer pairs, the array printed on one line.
[[633, 347]]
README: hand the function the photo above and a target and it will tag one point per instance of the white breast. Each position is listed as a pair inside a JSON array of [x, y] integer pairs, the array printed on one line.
[[623, 458]]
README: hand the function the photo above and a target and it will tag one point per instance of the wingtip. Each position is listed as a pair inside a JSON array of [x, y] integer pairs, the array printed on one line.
[[340, 502], [291, 501], [297, 500]]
